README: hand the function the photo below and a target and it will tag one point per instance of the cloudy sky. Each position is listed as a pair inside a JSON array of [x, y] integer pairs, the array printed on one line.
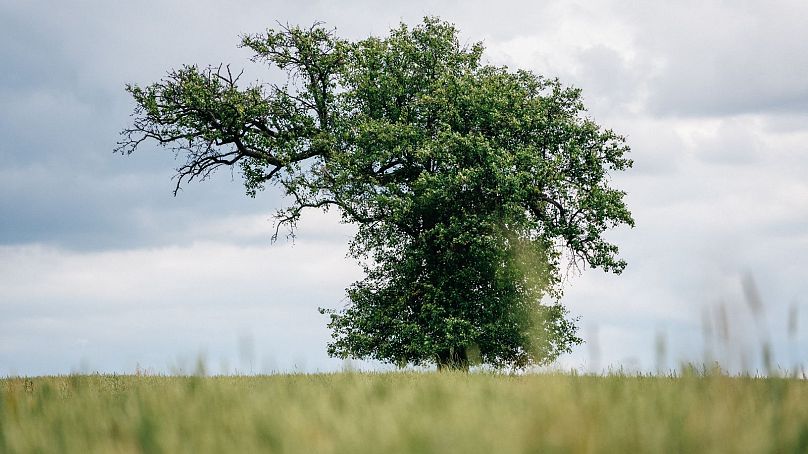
[[102, 269]]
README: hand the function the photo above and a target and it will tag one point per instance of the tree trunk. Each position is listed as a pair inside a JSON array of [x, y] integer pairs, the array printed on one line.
[[455, 358]]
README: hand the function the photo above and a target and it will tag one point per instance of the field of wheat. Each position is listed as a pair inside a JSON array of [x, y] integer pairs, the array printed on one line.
[[404, 412]]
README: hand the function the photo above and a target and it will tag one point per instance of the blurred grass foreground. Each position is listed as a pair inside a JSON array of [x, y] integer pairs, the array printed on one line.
[[404, 412]]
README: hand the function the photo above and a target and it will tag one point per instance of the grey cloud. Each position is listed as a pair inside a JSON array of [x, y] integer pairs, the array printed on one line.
[[83, 211], [62, 107], [786, 123], [717, 58], [733, 143], [607, 77], [657, 148], [63, 104]]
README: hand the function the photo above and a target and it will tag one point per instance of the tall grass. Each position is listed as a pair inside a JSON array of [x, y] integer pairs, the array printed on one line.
[[405, 412]]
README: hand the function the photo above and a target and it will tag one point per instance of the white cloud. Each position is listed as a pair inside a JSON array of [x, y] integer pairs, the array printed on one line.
[[177, 300]]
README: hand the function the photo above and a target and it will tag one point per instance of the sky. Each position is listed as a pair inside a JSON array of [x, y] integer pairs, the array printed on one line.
[[103, 269]]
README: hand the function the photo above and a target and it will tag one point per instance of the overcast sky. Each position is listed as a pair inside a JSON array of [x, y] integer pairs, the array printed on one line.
[[102, 269]]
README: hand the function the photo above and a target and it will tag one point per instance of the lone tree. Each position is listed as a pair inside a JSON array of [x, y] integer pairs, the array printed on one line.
[[469, 183]]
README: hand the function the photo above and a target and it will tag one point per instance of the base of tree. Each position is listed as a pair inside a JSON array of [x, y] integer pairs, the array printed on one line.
[[453, 359]]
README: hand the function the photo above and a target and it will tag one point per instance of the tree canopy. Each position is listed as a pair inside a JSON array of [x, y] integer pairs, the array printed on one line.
[[469, 183]]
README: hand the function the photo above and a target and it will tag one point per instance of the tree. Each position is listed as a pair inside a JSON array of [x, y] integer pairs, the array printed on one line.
[[469, 183]]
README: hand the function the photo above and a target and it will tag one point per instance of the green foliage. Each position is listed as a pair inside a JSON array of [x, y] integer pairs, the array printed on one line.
[[469, 183], [404, 413]]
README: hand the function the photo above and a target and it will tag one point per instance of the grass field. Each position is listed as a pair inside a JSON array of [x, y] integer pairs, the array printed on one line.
[[404, 412]]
